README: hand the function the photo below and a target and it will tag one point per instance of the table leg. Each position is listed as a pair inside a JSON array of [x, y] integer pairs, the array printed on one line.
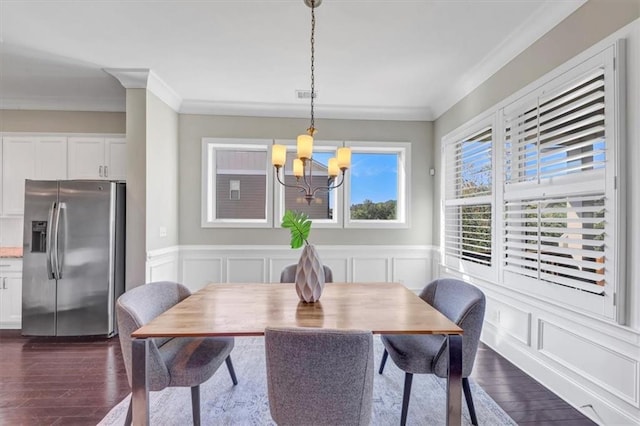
[[454, 380], [140, 384]]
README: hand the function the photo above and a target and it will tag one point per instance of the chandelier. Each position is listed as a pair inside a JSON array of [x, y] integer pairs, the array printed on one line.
[[303, 164]]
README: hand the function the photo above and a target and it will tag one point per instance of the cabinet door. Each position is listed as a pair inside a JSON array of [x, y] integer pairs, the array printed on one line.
[[86, 158], [51, 158], [115, 150], [11, 301], [18, 164]]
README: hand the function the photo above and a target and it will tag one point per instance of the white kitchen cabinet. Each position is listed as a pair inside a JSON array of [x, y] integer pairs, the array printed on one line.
[[29, 157], [10, 293], [97, 158]]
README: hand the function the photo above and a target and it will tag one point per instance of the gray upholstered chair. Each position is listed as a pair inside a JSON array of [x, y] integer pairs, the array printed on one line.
[[319, 376], [463, 304], [288, 274], [171, 362]]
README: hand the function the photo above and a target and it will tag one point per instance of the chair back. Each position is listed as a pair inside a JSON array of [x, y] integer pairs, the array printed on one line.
[[463, 304], [319, 376], [288, 274], [136, 308]]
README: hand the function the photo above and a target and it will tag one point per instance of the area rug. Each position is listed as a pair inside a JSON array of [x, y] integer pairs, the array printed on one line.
[[247, 403]]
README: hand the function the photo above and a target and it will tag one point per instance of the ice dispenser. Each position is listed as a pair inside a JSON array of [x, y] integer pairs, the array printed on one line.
[[38, 236]]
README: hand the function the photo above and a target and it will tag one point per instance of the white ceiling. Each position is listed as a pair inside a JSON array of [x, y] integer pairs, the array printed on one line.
[[407, 60]]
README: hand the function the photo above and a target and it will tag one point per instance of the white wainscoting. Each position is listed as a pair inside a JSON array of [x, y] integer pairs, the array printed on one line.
[[162, 264], [592, 364], [196, 266]]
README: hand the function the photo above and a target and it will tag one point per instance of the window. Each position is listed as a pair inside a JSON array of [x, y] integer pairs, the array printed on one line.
[[377, 189], [468, 200], [239, 188], [227, 167], [234, 189], [556, 206], [559, 195]]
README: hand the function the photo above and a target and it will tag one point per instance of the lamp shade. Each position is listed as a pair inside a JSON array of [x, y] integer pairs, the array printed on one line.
[[333, 167], [305, 146], [297, 167], [278, 155], [344, 158]]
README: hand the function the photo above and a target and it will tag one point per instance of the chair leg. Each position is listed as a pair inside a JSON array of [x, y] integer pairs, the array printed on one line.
[[127, 421], [467, 395], [408, 378], [383, 362], [195, 405], [231, 371]]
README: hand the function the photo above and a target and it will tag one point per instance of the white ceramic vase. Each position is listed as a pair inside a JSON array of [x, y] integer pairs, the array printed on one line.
[[309, 275]]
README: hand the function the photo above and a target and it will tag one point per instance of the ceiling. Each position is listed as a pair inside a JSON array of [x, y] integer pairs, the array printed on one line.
[[405, 60]]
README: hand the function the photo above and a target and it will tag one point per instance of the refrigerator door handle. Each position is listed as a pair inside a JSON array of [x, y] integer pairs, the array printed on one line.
[[50, 237], [55, 261]]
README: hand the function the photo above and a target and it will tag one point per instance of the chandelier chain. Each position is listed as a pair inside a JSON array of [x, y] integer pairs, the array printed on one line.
[[313, 91]]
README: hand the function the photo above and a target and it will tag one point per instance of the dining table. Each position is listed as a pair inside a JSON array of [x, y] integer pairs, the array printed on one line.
[[245, 309]]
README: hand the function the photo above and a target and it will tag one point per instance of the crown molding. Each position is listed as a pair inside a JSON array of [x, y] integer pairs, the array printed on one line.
[[64, 104], [162, 90], [145, 78], [130, 78], [302, 111], [538, 24]]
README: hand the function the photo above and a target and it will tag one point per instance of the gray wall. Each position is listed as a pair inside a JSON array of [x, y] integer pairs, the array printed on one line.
[[589, 24], [136, 187], [62, 121], [162, 174], [192, 128]]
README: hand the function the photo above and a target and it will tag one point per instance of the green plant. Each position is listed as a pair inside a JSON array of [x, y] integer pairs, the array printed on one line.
[[299, 224]]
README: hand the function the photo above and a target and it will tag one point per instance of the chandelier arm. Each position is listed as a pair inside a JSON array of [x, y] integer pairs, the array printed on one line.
[[304, 175], [300, 187], [329, 187]]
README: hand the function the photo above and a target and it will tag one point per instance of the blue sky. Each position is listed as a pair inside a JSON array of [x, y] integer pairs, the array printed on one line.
[[373, 176]]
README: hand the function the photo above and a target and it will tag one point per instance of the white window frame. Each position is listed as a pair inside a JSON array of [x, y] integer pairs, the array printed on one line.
[[338, 198], [208, 185], [403, 204], [450, 141]]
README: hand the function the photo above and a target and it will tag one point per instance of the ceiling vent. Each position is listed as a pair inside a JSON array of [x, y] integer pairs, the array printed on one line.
[[305, 94]]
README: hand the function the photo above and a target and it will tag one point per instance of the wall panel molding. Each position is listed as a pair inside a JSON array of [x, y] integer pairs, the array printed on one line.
[[201, 264], [604, 366]]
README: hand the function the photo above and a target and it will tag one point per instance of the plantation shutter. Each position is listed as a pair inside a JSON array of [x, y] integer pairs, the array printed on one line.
[[557, 135], [468, 198], [555, 209], [557, 240]]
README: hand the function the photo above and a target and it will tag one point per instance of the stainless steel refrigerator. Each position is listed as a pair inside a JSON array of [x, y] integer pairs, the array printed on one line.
[[73, 265]]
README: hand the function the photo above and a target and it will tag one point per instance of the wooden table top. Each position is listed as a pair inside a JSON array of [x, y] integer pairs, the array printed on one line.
[[246, 309]]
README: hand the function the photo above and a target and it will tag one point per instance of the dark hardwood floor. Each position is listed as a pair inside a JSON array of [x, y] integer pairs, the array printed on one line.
[[73, 381]]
